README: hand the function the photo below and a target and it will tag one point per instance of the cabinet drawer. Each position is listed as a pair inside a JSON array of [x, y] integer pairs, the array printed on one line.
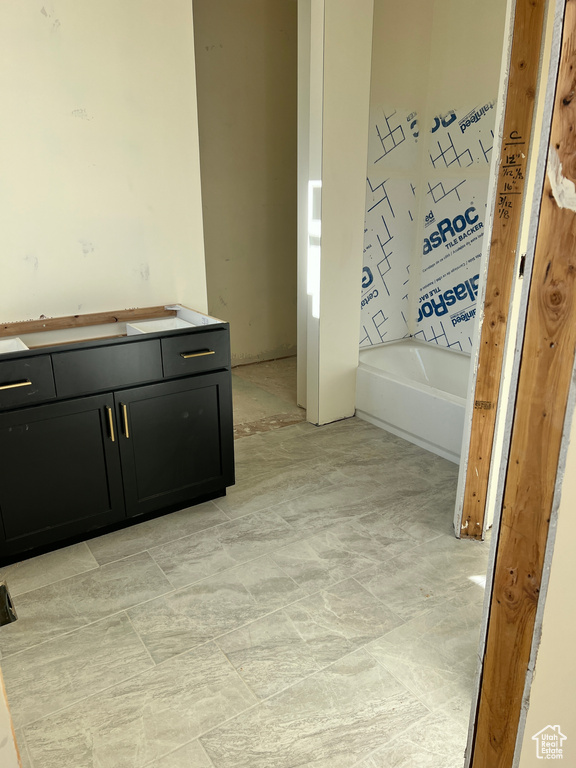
[[27, 381], [196, 353], [103, 368]]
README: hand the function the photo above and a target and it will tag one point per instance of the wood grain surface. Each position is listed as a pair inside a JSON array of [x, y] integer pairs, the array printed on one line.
[[519, 111], [543, 388], [82, 321]]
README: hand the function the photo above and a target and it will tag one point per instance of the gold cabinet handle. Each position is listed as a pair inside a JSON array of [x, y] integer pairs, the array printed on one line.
[[16, 384], [188, 355], [111, 423], [125, 415]]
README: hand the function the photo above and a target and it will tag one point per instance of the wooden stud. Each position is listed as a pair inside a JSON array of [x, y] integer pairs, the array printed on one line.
[[523, 79], [82, 321], [543, 388]]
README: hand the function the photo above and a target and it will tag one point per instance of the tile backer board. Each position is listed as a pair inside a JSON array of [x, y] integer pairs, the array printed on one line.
[[389, 240], [425, 211], [451, 250]]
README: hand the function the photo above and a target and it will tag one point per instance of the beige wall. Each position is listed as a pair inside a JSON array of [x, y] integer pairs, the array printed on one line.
[[466, 52], [334, 85], [246, 59], [398, 28], [99, 188], [9, 757], [346, 99]]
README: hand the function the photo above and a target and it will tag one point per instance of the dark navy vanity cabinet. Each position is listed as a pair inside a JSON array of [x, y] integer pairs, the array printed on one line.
[[97, 432]]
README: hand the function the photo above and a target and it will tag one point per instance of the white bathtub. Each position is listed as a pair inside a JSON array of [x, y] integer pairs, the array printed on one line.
[[417, 391]]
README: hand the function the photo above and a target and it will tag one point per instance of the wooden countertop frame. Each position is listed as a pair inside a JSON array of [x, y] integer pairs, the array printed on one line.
[[84, 321]]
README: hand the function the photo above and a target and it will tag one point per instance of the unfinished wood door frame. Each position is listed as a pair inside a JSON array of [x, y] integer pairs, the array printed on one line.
[[546, 365], [503, 232]]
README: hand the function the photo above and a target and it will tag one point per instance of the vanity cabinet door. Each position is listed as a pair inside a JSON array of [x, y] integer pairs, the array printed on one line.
[[59, 473], [175, 441]]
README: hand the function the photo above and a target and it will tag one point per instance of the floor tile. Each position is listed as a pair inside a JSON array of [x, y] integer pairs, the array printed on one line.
[[256, 458], [332, 719], [58, 673], [371, 450], [190, 756], [270, 654], [142, 719], [292, 445], [22, 749], [385, 537], [348, 548], [351, 432], [48, 612], [208, 552], [385, 472], [435, 655], [434, 468], [152, 533], [343, 500], [416, 507], [354, 442], [438, 741], [318, 628], [211, 607], [340, 619], [46, 569], [419, 580], [427, 513], [276, 651], [436, 509], [324, 559], [265, 491]]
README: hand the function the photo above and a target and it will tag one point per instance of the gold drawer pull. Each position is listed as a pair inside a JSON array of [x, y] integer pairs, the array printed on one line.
[[111, 424], [125, 414], [188, 355], [16, 384]]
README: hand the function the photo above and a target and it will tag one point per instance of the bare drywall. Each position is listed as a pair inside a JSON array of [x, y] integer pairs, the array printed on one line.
[[246, 61], [100, 183]]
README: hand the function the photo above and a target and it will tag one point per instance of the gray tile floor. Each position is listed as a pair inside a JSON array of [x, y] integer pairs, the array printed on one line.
[[321, 614]]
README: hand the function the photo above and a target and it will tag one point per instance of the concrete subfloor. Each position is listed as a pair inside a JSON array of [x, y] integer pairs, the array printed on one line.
[[321, 614], [265, 397]]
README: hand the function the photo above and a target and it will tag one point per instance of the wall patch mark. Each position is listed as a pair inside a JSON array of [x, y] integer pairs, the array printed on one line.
[[563, 189], [81, 114]]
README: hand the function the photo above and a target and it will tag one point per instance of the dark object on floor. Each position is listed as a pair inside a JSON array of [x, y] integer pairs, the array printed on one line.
[[7, 610]]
